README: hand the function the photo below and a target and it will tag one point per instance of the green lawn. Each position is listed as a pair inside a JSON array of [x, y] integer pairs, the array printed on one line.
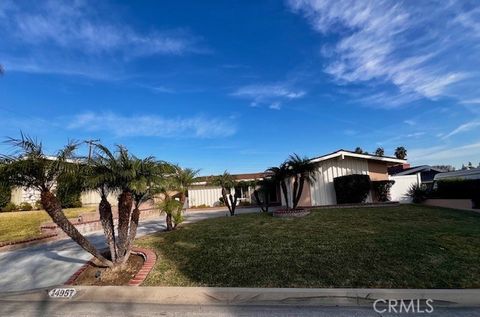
[[393, 247], [20, 225]]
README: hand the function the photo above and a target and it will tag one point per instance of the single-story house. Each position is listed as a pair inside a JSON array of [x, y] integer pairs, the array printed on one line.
[[341, 163], [426, 173], [318, 193], [201, 193]]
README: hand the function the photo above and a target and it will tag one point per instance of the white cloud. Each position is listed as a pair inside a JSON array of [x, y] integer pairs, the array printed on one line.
[[75, 25], [443, 154], [380, 42], [463, 128], [271, 94], [155, 126]]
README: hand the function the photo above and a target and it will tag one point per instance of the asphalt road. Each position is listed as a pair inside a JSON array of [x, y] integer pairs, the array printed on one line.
[[52, 263], [66, 308]]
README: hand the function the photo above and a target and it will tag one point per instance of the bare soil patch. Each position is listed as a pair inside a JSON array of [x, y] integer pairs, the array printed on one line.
[[100, 275]]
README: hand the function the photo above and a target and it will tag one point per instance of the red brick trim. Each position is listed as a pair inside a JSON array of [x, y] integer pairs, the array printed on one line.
[[150, 259], [291, 213], [75, 275], [26, 241]]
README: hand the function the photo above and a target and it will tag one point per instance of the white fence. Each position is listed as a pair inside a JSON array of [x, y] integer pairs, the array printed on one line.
[[399, 190], [204, 195]]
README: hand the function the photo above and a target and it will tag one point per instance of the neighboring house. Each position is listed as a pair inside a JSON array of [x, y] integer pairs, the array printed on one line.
[[340, 163], [425, 173], [203, 194], [473, 173]]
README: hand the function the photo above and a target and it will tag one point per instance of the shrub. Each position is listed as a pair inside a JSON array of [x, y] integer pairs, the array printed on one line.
[[351, 188], [25, 206], [457, 189], [178, 218], [38, 205], [9, 207], [382, 189], [201, 206], [221, 201], [418, 193], [5, 195], [244, 203]]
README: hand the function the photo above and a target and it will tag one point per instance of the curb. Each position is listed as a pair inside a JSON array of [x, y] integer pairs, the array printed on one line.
[[13, 245], [219, 296], [149, 256]]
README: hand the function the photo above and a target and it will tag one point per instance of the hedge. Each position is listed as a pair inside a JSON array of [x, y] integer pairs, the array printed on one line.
[[69, 191], [5, 195], [382, 189], [352, 189], [457, 189]]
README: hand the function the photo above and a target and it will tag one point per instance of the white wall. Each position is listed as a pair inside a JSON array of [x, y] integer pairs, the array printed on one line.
[[204, 195], [322, 190], [399, 190]]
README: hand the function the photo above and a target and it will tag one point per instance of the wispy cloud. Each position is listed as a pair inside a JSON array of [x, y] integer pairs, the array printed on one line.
[[76, 31], [406, 46], [154, 126], [442, 154], [273, 95], [462, 128]]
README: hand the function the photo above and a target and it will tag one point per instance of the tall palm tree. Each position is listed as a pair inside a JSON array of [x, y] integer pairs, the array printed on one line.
[[279, 176], [302, 171], [379, 151], [30, 167], [400, 152], [226, 182]]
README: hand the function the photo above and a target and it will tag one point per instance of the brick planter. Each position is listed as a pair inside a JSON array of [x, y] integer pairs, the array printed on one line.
[[291, 213], [150, 259]]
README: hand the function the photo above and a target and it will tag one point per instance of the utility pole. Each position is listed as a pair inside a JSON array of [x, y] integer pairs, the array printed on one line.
[[90, 144]]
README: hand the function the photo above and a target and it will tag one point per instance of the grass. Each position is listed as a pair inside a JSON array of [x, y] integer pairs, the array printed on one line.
[[392, 247], [20, 225]]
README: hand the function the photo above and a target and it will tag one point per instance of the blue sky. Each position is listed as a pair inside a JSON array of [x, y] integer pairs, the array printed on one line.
[[240, 85]]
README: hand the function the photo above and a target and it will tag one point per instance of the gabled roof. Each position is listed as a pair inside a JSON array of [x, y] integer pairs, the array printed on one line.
[[418, 169], [203, 180], [343, 153]]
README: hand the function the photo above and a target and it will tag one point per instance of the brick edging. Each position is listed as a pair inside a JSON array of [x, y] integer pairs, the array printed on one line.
[[150, 259], [17, 242]]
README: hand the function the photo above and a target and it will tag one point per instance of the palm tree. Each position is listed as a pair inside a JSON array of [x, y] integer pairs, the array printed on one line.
[[265, 187], [358, 150], [379, 151], [136, 182], [400, 152], [302, 171], [184, 177], [30, 167], [226, 182], [279, 176]]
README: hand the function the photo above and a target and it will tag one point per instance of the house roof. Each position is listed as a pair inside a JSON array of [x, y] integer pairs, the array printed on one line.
[[343, 153], [471, 174], [202, 180], [418, 169]]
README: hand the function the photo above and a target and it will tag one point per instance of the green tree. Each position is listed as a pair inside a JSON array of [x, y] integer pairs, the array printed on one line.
[[358, 150], [226, 182], [28, 166], [302, 170], [184, 178], [401, 153], [262, 191], [379, 151]]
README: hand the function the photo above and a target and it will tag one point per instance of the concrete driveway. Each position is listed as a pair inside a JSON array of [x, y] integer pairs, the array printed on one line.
[[53, 263]]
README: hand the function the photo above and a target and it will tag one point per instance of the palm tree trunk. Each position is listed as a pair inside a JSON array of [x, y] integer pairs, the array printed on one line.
[[225, 199], [285, 192], [54, 209], [233, 203], [259, 202], [169, 222], [125, 202], [299, 193], [294, 192], [133, 231], [106, 219]]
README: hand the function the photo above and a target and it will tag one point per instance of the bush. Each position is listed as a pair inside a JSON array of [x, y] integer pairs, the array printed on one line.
[[418, 193], [221, 201], [5, 195], [382, 189], [9, 207], [178, 218], [351, 189], [457, 189], [244, 203], [25, 206], [38, 205]]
